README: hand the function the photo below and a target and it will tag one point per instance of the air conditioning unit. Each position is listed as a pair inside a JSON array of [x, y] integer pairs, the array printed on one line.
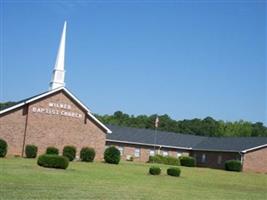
[[129, 157]]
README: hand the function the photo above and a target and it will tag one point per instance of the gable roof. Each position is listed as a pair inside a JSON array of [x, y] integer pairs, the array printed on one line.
[[184, 141], [42, 95]]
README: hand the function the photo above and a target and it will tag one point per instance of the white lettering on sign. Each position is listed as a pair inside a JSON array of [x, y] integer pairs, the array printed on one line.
[[60, 105], [53, 109]]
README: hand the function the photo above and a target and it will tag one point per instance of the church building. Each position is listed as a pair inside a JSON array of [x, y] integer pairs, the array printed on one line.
[[58, 118], [53, 118]]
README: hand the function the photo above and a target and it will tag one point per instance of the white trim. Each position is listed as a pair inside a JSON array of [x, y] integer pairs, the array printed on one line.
[[51, 92], [102, 125], [79, 102], [145, 144], [217, 150], [254, 148], [33, 99], [12, 107]]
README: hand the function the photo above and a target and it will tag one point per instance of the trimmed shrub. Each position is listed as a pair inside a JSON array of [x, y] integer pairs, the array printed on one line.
[[52, 150], [154, 170], [3, 148], [174, 171], [69, 152], [188, 161], [31, 151], [53, 161], [112, 155], [87, 154], [233, 165], [168, 160]]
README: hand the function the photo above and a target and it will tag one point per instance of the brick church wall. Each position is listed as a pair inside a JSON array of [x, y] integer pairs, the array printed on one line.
[[12, 127], [256, 161], [57, 130]]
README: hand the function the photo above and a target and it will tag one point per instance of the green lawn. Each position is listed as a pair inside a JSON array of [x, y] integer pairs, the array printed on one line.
[[23, 179]]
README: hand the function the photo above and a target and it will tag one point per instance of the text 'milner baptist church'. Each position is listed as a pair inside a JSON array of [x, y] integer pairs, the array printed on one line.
[[58, 118]]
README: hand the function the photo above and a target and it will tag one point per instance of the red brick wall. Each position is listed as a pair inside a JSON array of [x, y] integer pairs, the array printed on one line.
[[12, 126], [256, 161], [46, 130], [129, 149], [212, 158]]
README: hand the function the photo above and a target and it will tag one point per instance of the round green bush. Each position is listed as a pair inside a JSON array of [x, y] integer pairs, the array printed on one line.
[[233, 165], [154, 170], [87, 154], [112, 155], [174, 171], [3, 148], [188, 161], [69, 152], [31, 151], [53, 161], [52, 150]]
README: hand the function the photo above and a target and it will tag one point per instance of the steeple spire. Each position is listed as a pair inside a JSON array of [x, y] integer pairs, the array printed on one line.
[[58, 78]]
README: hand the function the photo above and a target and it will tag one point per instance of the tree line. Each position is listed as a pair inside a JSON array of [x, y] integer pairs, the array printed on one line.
[[203, 127]]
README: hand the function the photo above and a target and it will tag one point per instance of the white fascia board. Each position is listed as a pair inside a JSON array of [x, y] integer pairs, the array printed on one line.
[[216, 150], [36, 98], [43, 95], [146, 144], [254, 148], [78, 101], [100, 123], [51, 92], [88, 110], [12, 107]]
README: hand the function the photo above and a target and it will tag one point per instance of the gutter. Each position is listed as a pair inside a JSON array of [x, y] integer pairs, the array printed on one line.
[[254, 148]]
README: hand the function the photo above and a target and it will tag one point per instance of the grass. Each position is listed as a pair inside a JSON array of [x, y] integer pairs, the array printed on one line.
[[24, 179]]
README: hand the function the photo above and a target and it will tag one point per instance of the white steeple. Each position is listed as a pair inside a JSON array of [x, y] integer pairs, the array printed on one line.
[[59, 71]]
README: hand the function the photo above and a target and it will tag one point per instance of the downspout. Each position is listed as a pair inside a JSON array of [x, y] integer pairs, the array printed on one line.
[[241, 158], [25, 130]]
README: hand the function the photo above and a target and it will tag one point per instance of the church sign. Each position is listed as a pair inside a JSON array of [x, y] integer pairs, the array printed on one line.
[[57, 109]]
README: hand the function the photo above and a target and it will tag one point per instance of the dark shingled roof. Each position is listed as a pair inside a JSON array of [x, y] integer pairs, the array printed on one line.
[[236, 144], [147, 136]]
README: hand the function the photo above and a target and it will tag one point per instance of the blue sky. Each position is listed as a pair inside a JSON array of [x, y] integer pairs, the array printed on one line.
[[186, 59]]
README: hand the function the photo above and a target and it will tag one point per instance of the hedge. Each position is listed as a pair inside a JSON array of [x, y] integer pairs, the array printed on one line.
[[31, 151], [233, 165], [87, 154], [168, 160], [188, 161], [69, 152], [174, 171], [112, 155], [154, 170], [53, 161], [3, 148], [52, 150]]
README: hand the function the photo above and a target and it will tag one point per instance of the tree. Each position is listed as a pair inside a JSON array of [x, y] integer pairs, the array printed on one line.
[[203, 127]]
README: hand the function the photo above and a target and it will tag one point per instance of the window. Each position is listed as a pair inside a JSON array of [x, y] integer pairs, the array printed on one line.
[[165, 153], [121, 150], [137, 152], [152, 152], [178, 155], [203, 158], [219, 160]]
